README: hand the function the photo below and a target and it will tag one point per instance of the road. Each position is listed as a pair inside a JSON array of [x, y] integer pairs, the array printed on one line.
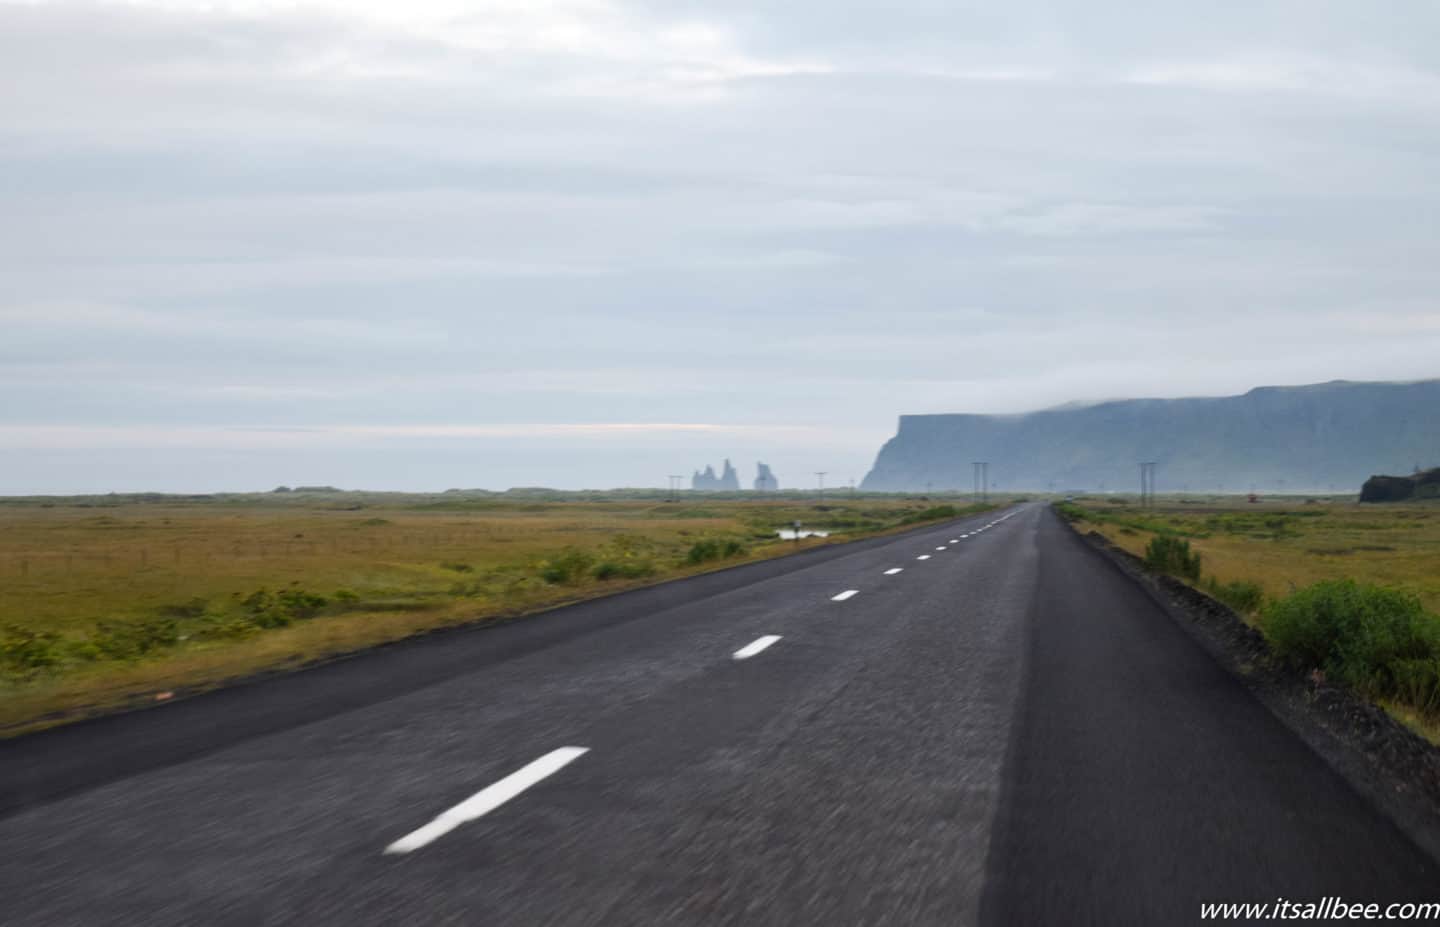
[[994, 726]]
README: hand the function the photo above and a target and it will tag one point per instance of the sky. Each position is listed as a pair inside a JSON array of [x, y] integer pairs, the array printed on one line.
[[589, 244]]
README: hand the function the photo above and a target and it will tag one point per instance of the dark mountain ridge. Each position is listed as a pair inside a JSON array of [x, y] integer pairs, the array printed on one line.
[[1327, 437]]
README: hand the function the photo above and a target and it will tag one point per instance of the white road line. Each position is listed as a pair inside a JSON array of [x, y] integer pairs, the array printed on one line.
[[893, 570], [755, 646], [954, 540], [923, 557], [844, 595], [941, 547], [487, 799]]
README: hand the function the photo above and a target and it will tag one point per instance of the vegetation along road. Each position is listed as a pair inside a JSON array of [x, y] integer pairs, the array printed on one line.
[[976, 721]]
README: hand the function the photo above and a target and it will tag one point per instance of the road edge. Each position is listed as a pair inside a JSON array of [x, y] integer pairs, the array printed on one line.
[[1395, 769]]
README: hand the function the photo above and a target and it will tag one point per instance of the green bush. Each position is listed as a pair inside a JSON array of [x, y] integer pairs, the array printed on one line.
[[299, 603], [1376, 640], [701, 551], [933, 513], [1168, 554], [1242, 595], [1417, 682], [715, 549], [23, 651], [1070, 511], [131, 640], [567, 567], [276, 610]]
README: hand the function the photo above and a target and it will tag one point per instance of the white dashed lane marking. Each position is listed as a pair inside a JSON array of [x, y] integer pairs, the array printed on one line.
[[893, 570], [923, 557], [487, 799], [755, 646], [844, 595]]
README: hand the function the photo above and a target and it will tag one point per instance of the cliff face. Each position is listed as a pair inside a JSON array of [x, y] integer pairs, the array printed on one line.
[[1402, 488], [1321, 438]]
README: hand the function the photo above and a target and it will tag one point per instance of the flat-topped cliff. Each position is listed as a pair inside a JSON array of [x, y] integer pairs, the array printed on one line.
[[1321, 438]]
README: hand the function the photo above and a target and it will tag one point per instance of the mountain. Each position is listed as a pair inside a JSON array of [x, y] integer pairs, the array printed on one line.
[[1320, 438]]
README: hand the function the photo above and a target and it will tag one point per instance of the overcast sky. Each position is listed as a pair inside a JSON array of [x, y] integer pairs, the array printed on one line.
[[432, 243]]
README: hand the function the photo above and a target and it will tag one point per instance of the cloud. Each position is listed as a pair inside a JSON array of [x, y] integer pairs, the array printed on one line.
[[326, 215]]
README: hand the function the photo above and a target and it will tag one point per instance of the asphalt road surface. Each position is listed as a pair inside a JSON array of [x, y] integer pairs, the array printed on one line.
[[983, 722]]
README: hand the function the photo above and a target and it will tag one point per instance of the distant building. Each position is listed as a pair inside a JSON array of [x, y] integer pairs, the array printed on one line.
[[765, 480]]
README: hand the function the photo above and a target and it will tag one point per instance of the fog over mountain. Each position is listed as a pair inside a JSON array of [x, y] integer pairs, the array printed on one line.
[[1320, 438]]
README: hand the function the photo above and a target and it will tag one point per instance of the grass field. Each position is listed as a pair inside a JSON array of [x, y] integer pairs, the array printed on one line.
[[1287, 545], [117, 600], [1282, 547]]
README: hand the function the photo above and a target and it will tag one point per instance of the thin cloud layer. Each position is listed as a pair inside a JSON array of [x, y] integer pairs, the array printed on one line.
[[785, 223]]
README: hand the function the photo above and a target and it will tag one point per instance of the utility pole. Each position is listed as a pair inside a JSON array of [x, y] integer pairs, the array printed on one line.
[[820, 478], [1147, 483], [982, 479], [675, 479], [852, 487]]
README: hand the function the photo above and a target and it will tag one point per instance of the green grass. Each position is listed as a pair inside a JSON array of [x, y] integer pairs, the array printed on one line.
[[108, 600]]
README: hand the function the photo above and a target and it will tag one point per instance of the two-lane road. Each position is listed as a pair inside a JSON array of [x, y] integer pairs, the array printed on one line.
[[979, 721]]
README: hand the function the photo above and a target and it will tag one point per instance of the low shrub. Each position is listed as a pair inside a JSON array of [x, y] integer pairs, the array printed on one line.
[[1070, 511], [567, 567], [715, 549], [1241, 594], [1417, 683], [933, 513], [276, 610], [131, 640], [23, 651], [1168, 554], [701, 551], [1377, 640]]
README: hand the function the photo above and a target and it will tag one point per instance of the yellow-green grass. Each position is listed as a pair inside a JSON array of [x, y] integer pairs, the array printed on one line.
[[1288, 545], [75, 570], [1285, 546]]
